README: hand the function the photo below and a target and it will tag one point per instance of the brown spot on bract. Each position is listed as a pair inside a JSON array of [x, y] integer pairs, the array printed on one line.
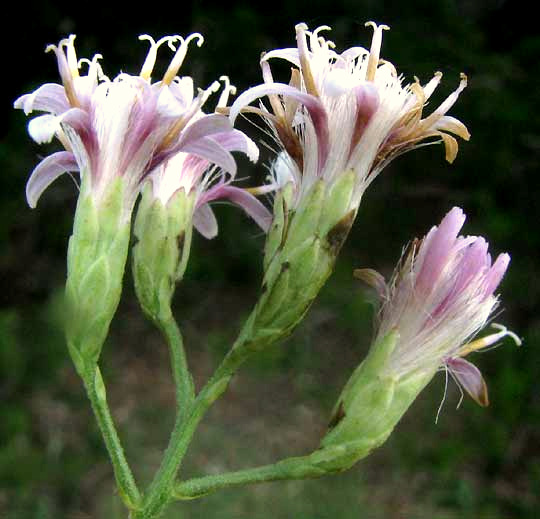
[[338, 234], [180, 239], [338, 416]]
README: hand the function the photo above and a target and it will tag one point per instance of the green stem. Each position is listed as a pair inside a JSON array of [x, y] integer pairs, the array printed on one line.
[[125, 481], [160, 490], [185, 392], [291, 468]]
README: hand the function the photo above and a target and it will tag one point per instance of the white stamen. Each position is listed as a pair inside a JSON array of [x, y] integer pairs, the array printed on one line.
[[178, 59], [228, 89], [94, 68], [150, 61], [375, 50], [71, 55], [482, 343]]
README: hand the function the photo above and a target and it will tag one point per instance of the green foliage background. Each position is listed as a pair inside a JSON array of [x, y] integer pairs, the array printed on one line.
[[475, 463]]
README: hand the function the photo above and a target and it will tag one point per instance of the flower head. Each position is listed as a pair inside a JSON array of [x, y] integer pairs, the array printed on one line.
[[440, 297], [129, 126], [207, 176], [345, 111]]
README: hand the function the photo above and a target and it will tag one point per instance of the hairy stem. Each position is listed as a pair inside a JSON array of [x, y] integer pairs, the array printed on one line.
[[183, 381], [291, 468], [125, 481], [161, 488]]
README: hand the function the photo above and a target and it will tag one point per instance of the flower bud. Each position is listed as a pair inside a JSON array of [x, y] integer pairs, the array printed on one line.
[[160, 255]]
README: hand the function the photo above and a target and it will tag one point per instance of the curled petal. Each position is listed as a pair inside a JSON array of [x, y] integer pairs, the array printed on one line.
[[375, 280], [450, 124], [290, 55], [246, 201], [468, 376], [450, 147], [43, 128], [47, 98], [204, 220], [352, 53], [235, 140], [205, 126], [46, 172], [209, 149], [247, 97], [78, 119], [313, 105]]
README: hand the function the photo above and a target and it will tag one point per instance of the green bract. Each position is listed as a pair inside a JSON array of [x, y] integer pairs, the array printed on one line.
[[371, 404], [97, 254], [300, 252], [163, 234]]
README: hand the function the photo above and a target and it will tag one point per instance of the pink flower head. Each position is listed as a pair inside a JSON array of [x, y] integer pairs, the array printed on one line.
[[440, 297], [126, 127], [210, 180], [345, 111]]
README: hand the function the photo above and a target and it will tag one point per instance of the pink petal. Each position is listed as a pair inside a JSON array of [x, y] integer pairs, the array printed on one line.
[[46, 172], [249, 203], [470, 379], [205, 126], [496, 273], [439, 248], [205, 221], [367, 103], [313, 105], [210, 150], [78, 119], [49, 97], [236, 140], [474, 261]]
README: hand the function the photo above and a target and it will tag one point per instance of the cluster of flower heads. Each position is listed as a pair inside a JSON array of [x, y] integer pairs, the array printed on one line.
[[345, 111], [340, 112], [134, 129]]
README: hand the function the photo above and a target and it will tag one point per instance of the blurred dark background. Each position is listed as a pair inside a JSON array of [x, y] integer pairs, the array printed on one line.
[[475, 463]]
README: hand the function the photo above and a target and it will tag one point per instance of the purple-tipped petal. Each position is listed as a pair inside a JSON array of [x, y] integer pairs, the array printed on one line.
[[236, 140], [496, 273], [204, 220], [78, 119], [440, 247], [49, 97], [46, 172], [249, 203], [210, 150], [205, 126], [256, 92], [474, 261], [367, 103], [470, 379], [313, 105]]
